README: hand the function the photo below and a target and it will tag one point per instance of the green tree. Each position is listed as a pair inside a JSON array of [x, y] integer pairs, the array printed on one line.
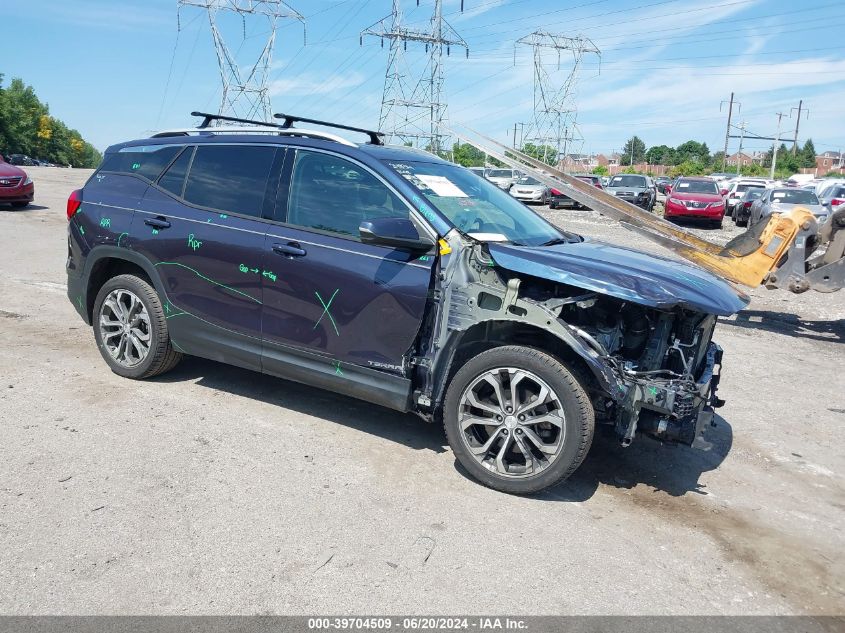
[[634, 148], [660, 155], [545, 153], [467, 155], [688, 168], [692, 151], [808, 154], [601, 170], [26, 127]]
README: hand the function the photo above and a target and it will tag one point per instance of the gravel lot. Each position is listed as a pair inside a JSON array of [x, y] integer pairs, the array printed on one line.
[[216, 490]]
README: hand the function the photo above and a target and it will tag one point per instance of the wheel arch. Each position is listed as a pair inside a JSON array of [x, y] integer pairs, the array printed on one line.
[[106, 262], [464, 344]]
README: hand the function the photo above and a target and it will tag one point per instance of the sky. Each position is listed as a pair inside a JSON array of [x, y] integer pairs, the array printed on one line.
[[120, 69]]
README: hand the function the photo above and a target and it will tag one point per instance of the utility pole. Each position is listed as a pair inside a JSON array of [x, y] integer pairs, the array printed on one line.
[[555, 111], [414, 111], [728, 128], [245, 90], [739, 153], [797, 123], [780, 115]]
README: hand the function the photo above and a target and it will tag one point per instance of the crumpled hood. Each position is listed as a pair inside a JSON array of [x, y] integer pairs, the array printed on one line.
[[624, 273]]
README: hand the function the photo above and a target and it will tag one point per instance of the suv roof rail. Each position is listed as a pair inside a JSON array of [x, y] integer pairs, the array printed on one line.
[[290, 119]]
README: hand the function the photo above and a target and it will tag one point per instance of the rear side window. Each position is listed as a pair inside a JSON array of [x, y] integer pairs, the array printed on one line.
[[147, 161], [230, 178], [174, 178], [329, 193]]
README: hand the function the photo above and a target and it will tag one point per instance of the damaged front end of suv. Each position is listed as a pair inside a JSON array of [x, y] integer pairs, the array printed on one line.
[[635, 329]]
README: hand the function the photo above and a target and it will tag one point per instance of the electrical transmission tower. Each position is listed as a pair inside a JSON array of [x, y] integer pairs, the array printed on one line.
[[413, 111], [245, 90], [555, 110]]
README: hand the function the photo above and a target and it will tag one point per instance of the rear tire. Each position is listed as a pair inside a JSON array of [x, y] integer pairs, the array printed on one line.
[[131, 330], [488, 412]]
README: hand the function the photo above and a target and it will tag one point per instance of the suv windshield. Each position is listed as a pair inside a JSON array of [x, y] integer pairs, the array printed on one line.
[[474, 205], [794, 196], [627, 181], [500, 173], [696, 186]]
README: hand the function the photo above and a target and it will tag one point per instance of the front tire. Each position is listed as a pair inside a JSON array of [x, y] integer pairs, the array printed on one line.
[[20, 205], [517, 419], [131, 330]]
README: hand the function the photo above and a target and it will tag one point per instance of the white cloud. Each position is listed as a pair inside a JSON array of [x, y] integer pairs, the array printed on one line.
[[312, 84]]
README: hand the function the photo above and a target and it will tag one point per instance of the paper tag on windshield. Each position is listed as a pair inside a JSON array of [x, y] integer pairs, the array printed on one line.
[[442, 186], [683, 185], [778, 194]]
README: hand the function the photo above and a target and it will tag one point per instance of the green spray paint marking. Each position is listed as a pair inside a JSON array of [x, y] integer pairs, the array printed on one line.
[[210, 280], [79, 301], [81, 230], [193, 243], [120, 237], [337, 371], [186, 313], [223, 216], [167, 307], [155, 231], [326, 310], [269, 274], [105, 223], [652, 391], [177, 346], [136, 165]]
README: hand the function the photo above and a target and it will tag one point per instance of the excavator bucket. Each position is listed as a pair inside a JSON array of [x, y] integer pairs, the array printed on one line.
[[751, 259]]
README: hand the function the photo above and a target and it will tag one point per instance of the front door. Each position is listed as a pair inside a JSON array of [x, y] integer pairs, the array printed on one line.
[[201, 227], [355, 308]]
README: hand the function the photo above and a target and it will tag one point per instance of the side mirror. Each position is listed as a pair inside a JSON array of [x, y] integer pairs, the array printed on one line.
[[396, 232], [667, 190], [724, 192]]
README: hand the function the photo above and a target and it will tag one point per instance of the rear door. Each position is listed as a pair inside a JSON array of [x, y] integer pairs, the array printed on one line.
[[337, 307], [202, 227]]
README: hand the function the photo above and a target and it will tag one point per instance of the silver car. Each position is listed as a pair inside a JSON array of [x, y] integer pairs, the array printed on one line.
[[783, 200], [502, 178], [528, 189]]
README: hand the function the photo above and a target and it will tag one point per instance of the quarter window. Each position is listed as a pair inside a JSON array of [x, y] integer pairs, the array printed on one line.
[[174, 178], [330, 193], [230, 178], [146, 161]]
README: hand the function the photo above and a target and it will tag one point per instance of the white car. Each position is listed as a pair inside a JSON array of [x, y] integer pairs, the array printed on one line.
[[502, 178], [737, 189]]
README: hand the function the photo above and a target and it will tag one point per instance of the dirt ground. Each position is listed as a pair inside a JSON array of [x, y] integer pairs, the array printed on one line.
[[215, 490]]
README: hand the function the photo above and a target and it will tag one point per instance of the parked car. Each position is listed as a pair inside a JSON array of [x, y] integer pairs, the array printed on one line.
[[638, 190], [21, 160], [833, 196], [798, 180], [784, 200], [742, 210], [661, 182], [737, 190], [559, 199], [528, 189], [16, 187], [502, 178], [478, 171], [390, 275], [695, 199]]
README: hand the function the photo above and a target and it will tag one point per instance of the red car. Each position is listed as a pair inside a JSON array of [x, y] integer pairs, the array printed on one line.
[[695, 199], [16, 187]]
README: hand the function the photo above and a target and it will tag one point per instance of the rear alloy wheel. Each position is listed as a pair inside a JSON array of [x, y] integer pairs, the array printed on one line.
[[131, 330], [517, 419]]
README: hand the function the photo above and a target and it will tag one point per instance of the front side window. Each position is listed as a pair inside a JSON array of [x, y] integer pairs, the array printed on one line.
[[474, 205], [230, 178], [329, 193]]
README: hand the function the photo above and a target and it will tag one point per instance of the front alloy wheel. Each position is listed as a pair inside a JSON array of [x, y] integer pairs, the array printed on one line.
[[512, 422], [517, 419]]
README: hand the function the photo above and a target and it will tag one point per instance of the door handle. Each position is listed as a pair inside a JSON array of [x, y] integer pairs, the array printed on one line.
[[291, 249], [157, 223]]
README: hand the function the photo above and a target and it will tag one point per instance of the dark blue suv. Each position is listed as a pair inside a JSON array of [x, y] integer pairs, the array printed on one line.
[[390, 275]]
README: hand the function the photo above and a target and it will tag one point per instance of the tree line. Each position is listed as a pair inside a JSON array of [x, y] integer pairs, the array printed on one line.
[[26, 127], [693, 158]]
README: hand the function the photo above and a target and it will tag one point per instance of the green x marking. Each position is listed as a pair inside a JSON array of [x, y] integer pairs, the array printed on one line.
[[326, 307]]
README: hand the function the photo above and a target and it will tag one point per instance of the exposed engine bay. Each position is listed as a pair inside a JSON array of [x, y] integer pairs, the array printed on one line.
[[645, 369]]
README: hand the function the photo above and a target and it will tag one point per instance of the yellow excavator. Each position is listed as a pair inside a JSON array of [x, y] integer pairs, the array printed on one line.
[[790, 250]]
